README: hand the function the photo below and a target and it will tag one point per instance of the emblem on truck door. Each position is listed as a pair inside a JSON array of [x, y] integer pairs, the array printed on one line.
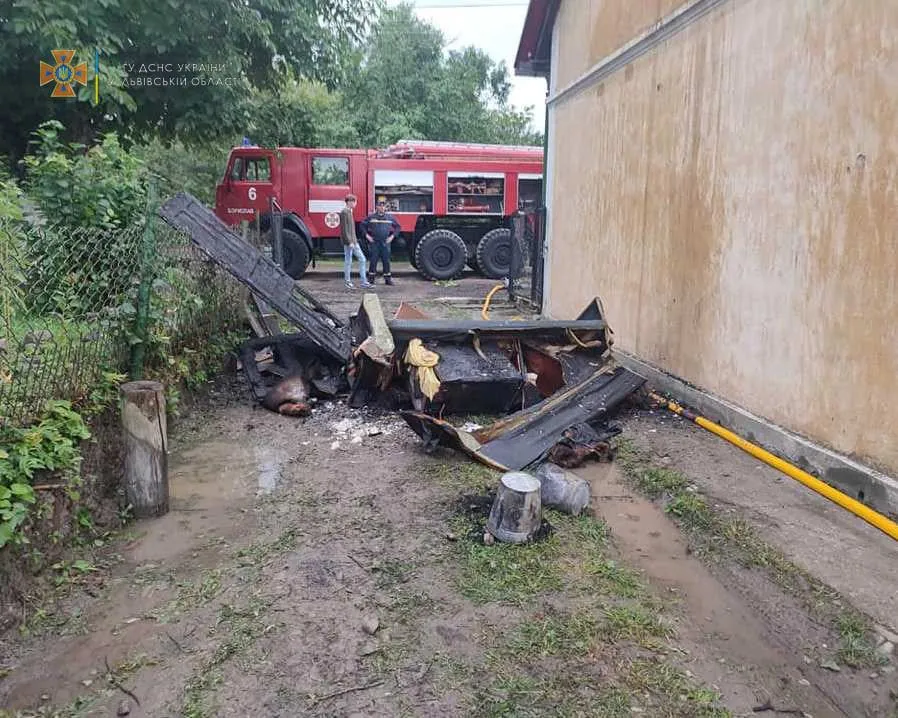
[[332, 220]]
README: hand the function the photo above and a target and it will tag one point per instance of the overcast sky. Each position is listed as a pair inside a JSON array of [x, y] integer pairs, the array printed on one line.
[[491, 25]]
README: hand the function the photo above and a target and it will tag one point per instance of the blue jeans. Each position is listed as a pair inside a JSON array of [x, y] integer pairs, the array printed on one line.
[[350, 250]]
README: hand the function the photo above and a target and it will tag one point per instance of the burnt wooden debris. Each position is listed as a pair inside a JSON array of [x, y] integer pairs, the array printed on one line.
[[286, 355], [527, 437], [557, 375], [458, 328], [258, 272], [475, 383]]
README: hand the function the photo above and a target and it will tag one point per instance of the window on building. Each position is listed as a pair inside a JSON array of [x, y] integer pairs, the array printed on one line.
[[476, 193], [405, 191], [330, 171]]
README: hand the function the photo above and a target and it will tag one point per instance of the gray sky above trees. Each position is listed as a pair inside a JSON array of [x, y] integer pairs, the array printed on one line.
[[493, 26]]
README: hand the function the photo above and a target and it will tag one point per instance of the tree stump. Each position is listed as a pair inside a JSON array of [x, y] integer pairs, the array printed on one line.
[[145, 440], [517, 511]]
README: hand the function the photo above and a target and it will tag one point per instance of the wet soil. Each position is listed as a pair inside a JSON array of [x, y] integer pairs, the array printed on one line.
[[285, 536], [317, 567], [459, 298], [748, 637], [842, 550]]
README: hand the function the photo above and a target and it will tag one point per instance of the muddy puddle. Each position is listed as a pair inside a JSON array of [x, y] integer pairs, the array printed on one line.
[[223, 471], [752, 648]]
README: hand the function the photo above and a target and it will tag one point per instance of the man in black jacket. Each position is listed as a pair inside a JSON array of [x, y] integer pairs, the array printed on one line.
[[380, 229]]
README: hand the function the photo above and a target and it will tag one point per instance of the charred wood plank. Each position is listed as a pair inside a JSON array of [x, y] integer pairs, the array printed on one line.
[[259, 273], [530, 434], [450, 328], [526, 437]]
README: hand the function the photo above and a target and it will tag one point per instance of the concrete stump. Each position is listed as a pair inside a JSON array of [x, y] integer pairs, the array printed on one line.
[[517, 510]]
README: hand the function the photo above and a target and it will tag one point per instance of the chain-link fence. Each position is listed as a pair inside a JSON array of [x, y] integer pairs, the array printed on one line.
[[62, 291], [78, 302], [528, 231]]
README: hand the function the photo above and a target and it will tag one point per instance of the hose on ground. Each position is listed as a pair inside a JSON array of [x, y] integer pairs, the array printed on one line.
[[485, 310], [884, 524]]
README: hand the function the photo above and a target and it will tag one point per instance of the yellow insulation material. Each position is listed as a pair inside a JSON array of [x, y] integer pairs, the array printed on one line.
[[417, 355]]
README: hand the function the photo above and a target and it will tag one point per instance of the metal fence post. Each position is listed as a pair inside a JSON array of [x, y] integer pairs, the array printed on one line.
[[147, 249], [277, 236], [537, 253]]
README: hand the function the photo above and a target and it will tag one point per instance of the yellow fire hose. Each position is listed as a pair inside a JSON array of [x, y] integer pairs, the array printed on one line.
[[485, 310], [888, 527]]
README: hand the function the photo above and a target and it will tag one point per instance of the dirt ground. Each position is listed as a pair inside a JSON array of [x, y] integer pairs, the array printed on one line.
[[452, 298], [328, 567]]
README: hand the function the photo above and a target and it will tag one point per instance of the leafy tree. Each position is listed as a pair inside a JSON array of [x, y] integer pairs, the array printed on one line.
[[409, 85], [302, 114], [389, 94], [103, 187], [180, 166], [254, 44]]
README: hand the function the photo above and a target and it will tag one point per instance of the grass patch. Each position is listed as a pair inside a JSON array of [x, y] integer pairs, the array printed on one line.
[[634, 623], [260, 553], [671, 692], [656, 482], [586, 542], [613, 578], [191, 595], [240, 628], [508, 573], [523, 696], [856, 649], [408, 606], [587, 533], [552, 635], [460, 475]]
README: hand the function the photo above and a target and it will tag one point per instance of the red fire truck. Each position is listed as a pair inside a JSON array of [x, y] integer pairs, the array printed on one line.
[[452, 200]]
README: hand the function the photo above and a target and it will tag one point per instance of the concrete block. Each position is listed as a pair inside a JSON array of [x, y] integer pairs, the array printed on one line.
[[866, 484]]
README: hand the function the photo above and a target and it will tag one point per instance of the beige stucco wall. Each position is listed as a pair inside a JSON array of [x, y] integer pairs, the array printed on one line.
[[594, 28], [733, 198]]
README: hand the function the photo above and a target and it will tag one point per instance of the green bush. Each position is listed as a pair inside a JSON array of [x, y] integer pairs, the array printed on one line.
[[50, 447], [80, 248], [101, 187]]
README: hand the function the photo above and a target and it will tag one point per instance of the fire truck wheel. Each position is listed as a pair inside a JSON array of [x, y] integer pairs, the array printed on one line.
[[440, 254], [494, 253], [296, 254]]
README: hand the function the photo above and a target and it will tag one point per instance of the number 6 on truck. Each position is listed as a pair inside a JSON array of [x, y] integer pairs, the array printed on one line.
[[252, 193]]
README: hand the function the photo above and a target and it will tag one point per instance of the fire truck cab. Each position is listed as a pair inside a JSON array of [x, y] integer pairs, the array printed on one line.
[[451, 200]]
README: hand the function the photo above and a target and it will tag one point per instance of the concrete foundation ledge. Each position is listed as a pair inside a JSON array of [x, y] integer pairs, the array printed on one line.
[[867, 485]]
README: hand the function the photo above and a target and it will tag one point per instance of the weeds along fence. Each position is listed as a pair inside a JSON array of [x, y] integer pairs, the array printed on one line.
[[76, 303]]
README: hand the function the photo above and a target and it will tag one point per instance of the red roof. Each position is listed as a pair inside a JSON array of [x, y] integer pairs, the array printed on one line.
[[535, 47]]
